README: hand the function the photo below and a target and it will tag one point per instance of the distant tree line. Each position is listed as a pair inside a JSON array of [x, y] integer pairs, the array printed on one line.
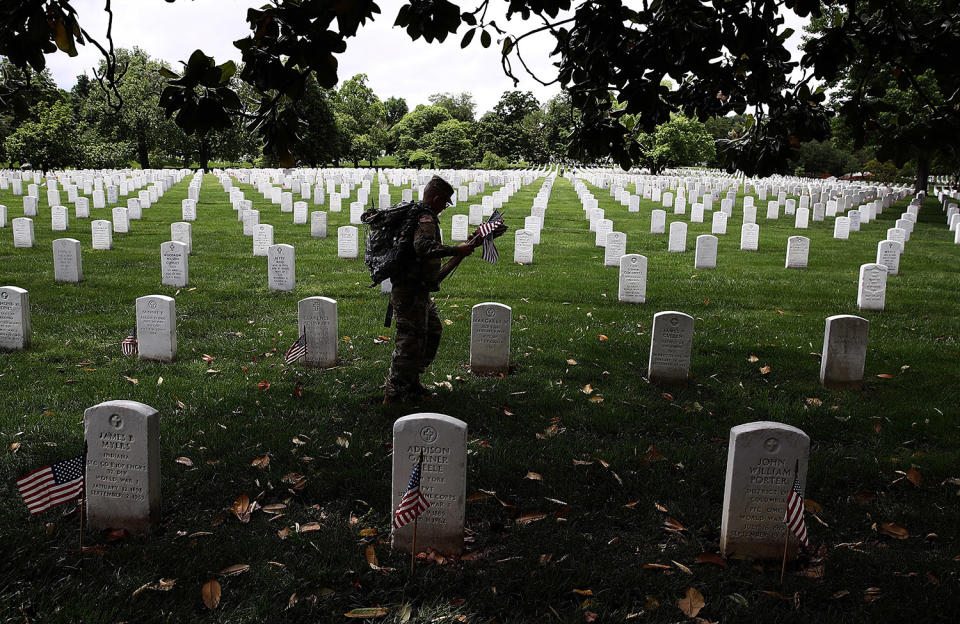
[[48, 127]]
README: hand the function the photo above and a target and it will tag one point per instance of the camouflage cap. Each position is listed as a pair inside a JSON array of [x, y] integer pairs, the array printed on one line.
[[440, 186]]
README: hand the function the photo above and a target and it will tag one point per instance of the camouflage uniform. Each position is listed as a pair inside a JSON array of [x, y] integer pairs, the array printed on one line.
[[418, 323]]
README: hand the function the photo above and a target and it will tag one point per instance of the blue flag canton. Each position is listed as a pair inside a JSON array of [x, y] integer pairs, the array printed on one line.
[[414, 478], [67, 470]]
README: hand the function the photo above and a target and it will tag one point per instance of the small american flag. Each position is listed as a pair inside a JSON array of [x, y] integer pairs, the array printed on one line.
[[297, 350], [413, 503], [129, 344], [793, 517], [52, 485], [488, 230]]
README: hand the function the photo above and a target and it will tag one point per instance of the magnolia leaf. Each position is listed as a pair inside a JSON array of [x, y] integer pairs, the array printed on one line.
[[682, 567], [367, 612], [753, 359], [211, 594], [372, 557], [711, 558], [534, 476], [892, 530], [530, 516], [132, 380], [765, 370], [186, 461], [235, 569], [915, 477], [264, 385], [691, 603], [587, 389], [261, 462]]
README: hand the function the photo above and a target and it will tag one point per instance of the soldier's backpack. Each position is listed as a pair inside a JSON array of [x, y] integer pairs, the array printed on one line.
[[390, 232]]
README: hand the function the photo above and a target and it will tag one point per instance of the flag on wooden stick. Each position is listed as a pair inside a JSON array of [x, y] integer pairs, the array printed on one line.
[[489, 230], [793, 517], [52, 485], [413, 502]]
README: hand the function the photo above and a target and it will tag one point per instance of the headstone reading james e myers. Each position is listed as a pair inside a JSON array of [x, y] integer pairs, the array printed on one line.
[[122, 485]]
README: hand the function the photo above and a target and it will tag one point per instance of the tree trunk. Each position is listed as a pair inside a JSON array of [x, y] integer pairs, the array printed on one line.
[[143, 153], [923, 172], [205, 154]]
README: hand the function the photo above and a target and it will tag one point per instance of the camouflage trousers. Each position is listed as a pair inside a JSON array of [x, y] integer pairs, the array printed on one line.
[[416, 341]]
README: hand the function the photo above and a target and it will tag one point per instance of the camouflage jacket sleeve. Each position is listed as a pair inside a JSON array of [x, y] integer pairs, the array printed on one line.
[[426, 240]]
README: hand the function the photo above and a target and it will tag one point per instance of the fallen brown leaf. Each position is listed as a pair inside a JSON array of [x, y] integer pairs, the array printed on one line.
[[211, 594], [372, 557], [753, 359], [764, 370], [892, 530], [691, 603], [132, 380], [235, 569], [264, 385], [711, 558], [186, 461], [534, 476], [530, 516], [602, 338], [583, 592], [915, 477], [673, 525], [261, 462], [885, 376], [241, 508]]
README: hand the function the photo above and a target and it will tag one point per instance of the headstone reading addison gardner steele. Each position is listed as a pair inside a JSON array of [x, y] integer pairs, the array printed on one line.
[[443, 481]]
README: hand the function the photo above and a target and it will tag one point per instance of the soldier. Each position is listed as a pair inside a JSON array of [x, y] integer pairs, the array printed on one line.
[[418, 323]]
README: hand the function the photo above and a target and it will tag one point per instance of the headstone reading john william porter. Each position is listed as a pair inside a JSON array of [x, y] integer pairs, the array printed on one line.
[[443, 480], [760, 474], [122, 485], [490, 338]]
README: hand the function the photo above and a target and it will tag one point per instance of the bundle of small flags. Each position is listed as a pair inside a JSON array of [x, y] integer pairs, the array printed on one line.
[[52, 485], [489, 230], [793, 517], [129, 344], [413, 502], [297, 350]]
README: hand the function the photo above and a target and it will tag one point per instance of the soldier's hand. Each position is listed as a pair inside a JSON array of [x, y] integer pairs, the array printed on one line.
[[465, 249]]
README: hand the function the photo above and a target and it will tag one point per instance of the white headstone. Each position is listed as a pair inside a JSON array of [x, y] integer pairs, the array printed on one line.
[[761, 460], [317, 317], [841, 228], [262, 239], [749, 237], [335, 202], [671, 340], [888, 254], [121, 220], [318, 224], [67, 262], [604, 227], [174, 265], [844, 351], [251, 219], [188, 209], [719, 225], [490, 338], [802, 220], [798, 251], [281, 268], [706, 253], [443, 480], [633, 279], [23, 233], [122, 480], [773, 210], [157, 328], [460, 225], [523, 247], [182, 232], [101, 231], [14, 318], [82, 208], [616, 246], [749, 214], [678, 237], [300, 213], [347, 241], [658, 221], [872, 288]]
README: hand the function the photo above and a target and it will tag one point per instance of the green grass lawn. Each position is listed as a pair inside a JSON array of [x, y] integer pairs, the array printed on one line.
[[613, 471]]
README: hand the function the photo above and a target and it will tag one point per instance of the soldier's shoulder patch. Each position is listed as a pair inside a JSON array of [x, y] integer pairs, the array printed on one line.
[[426, 219]]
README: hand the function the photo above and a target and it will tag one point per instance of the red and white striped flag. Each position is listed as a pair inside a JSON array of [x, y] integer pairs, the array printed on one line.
[[297, 350], [129, 344], [52, 485], [413, 503], [793, 517]]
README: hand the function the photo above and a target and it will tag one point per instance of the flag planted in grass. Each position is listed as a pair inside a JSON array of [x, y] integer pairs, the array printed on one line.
[[297, 350], [52, 485], [413, 502], [793, 517], [129, 344]]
